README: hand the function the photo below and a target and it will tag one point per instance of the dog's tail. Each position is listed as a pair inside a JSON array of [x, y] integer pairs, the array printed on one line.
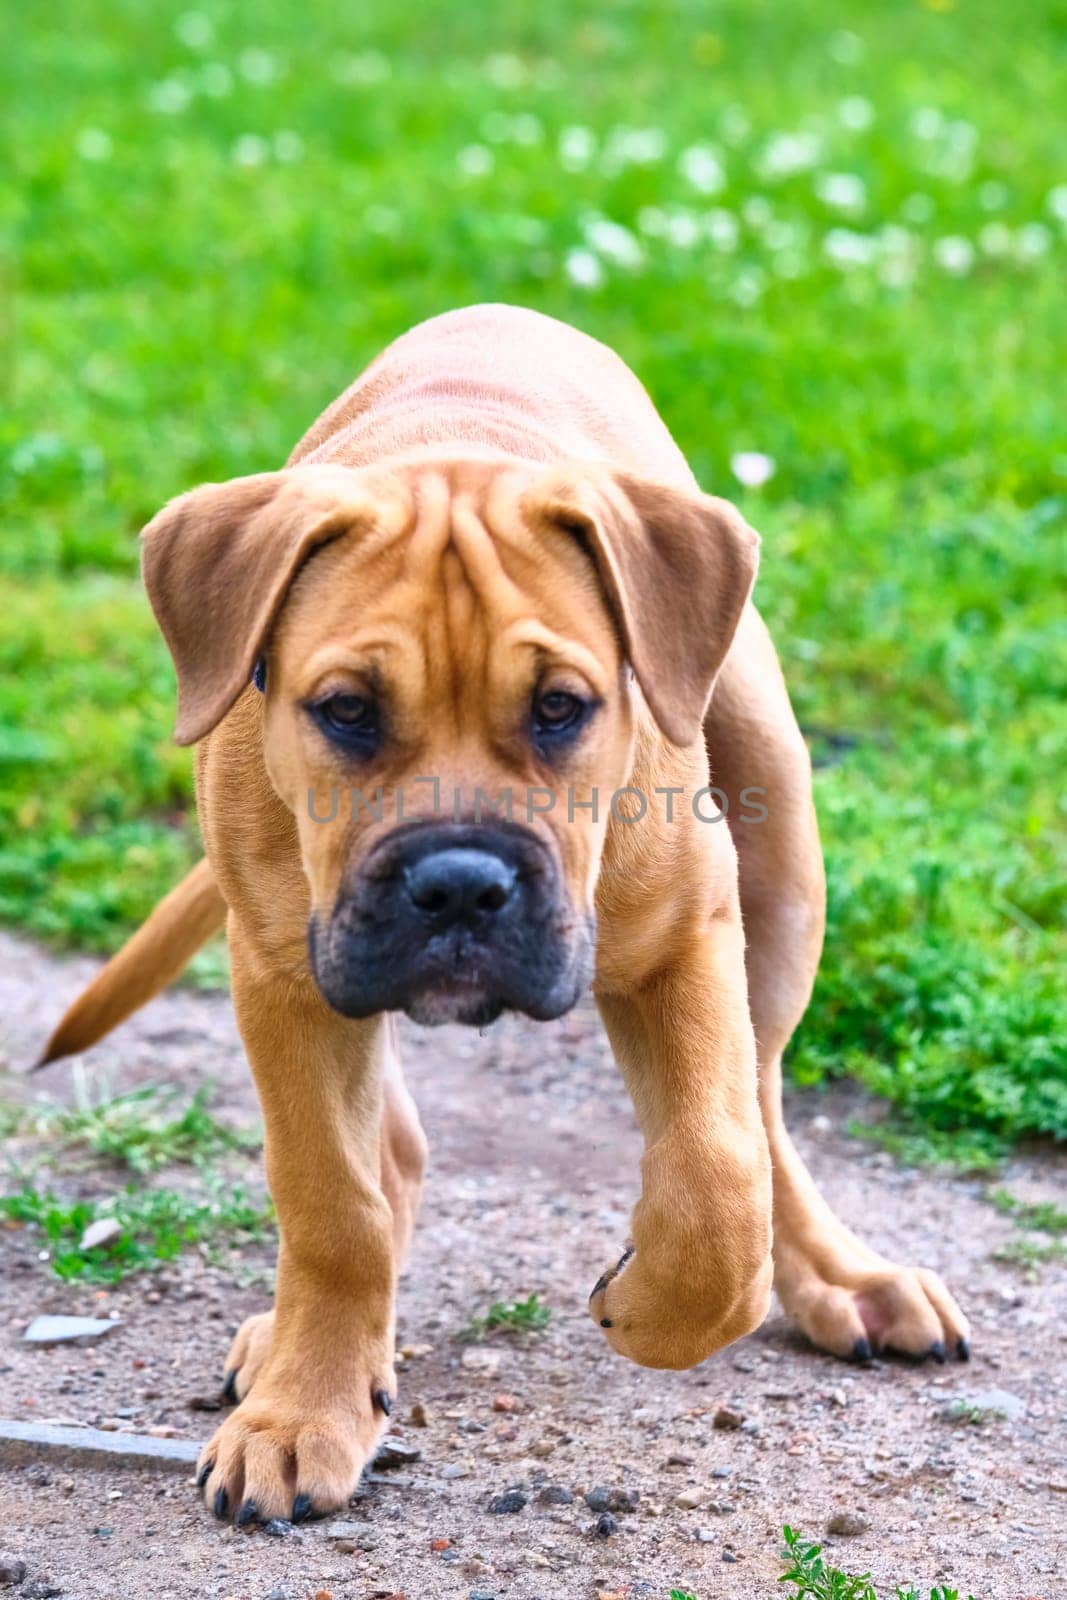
[[156, 954]]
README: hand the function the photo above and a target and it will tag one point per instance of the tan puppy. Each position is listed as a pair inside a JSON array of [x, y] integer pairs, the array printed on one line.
[[484, 597]]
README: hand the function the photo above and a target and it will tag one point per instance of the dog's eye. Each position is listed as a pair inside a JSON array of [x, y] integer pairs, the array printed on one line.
[[558, 712], [350, 719]]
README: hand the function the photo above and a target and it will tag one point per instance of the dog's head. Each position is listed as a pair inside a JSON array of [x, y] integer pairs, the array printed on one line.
[[448, 651]]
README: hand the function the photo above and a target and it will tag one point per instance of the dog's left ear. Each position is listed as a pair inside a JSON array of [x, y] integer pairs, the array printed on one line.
[[676, 567]]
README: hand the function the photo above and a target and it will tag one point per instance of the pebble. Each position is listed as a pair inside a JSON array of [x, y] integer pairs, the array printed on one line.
[[512, 1500], [689, 1499], [455, 1469], [554, 1494], [847, 1524], [420, 1416], [602, 1498], [728, 1555], [726, 1418], [42, 1588], [606, 1525], [105, 1230], [478, 1359], [721, 1472], [505, 1402], [12, 1569], [278, 1528], [395, 1453]]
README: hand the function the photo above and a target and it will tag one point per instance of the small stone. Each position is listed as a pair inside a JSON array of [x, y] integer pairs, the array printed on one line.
[[455, 1469], [420, 1416], [346, 1547], [481, 1594], [729, 1556], [721, 1472], [278, 1528], [204, 1402], [606, 1525], [395, 1453], [689, 1499], [679, 1460], [597, 1498], [68, 1330], [726, 1418], [505, 1402], [478, 1359], [847, 1524], [554, 1494], [42, 1588], [105, 1230], [504, 1504], [278, 1593], [12, 1569], [438, 1545], [543, 1448]]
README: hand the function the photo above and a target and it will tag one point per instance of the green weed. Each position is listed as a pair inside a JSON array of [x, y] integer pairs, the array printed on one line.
[[812, 1578], [516, 1317], [156, 1226]]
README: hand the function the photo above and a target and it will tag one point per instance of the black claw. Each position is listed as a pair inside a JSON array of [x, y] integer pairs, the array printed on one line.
[[222, 1503], [963, 1350], [204, 1474], [601, 1284], [625, 1257], [301, 1508], [383, 1401], [229, 1387], [861, 1350], [249, 1512], [937, 1352], [606, 1322]]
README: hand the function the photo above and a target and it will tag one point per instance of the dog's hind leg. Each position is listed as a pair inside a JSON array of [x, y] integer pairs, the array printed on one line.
[[844, 1296]]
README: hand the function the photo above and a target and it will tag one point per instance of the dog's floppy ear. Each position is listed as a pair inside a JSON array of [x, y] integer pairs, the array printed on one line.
[[217, 563], [676, 567]]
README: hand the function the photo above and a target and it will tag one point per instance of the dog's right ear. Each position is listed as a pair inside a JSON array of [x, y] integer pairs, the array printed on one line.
[[218, 562]]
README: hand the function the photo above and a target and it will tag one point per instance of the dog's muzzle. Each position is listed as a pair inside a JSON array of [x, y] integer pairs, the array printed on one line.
[[454, 922]]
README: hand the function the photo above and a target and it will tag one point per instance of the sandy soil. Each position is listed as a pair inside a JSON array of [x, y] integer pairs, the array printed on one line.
[[534, 1172]]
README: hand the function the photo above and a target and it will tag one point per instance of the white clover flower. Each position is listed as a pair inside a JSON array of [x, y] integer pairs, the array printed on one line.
[[215, 79], [382, 220], [786, 153], [682, 229], [855, 112], [927, 122], [917, 208], [194, 30], [362, 70], [288, 146], [752, 468], [505, 71], [734, 125], [846, 249], [527, 129], [613, 242], [702, 168], [583, 269], [475, 160], [748, 286], [1056, 202], [756, 211], [634, 147], [847, 48], [170, 96], [1032, 241], [843, 191], [250, 150], [995, 239], [723, 229], [992, 195], [93, 144], [954, 254], [577, 146], [258, 66]]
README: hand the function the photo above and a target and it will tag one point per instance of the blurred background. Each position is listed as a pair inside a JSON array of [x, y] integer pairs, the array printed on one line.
[[828, 238]]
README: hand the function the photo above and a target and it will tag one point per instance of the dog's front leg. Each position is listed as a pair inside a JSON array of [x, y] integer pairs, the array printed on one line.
[[698, 1272], [297, 1443]]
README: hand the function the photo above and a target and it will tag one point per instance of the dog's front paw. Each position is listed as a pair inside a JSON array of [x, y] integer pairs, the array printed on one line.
[[288, 1454], [677, 1319]]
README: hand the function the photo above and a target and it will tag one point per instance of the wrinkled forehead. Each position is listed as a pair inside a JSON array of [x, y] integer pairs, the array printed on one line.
[[451, 574]]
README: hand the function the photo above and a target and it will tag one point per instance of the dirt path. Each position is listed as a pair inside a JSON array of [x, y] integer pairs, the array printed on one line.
[[534, 1172]]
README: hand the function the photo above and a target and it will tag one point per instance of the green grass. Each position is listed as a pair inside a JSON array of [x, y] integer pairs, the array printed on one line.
[[218, 216], [144, 1129], [516, 1317], [157, 1225]]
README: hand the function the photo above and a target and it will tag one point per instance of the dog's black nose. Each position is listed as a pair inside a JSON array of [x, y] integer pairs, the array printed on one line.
[[459, 884]]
